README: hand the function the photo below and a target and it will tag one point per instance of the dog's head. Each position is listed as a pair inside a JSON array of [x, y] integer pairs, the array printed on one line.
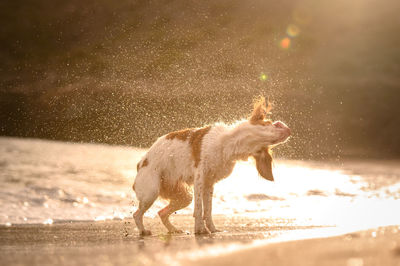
[[262, 132], [267, 135]]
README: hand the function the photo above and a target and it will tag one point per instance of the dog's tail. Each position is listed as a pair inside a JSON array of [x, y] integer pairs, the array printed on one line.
[[142, 163]]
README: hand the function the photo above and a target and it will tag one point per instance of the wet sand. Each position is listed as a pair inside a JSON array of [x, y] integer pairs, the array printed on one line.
[[243, 240], [379, 246]]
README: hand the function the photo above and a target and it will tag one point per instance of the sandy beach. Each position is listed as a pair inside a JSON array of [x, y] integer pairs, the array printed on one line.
[[243, 240], [75, 211]]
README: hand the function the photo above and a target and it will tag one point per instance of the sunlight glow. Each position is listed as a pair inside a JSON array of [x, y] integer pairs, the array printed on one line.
[[317, 196]]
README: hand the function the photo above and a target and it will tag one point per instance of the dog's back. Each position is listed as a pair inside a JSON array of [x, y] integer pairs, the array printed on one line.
[[171, 160]]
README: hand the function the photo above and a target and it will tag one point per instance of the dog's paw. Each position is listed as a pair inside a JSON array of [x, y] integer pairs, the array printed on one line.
[[201, 231], [145, 233], [214, 230], [211, 227], [176, 231]]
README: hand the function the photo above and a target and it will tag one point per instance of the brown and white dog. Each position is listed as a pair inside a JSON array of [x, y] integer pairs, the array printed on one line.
[[201, 157]]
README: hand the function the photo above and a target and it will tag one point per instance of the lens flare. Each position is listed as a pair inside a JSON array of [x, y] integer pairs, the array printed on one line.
[[293, 30], [263, 77], [285, 43]]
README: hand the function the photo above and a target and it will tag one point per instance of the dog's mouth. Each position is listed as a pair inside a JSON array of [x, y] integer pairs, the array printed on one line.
[[264, 163]]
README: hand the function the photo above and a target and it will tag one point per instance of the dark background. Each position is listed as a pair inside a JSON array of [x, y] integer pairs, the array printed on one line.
[[126, 72]]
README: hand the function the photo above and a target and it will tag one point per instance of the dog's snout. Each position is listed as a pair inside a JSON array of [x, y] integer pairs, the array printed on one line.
[[281, 125]]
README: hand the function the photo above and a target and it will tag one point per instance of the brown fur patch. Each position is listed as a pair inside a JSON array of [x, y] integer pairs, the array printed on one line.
[[195, 141], [260, 111], [144, 163], [195, 137], [181, 134], [180, 190], [262, 122]]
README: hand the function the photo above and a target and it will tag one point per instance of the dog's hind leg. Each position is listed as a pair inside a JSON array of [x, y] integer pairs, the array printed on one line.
[[147, 187], [180, 198]]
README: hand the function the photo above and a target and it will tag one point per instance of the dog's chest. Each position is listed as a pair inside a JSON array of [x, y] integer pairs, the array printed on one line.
[[224, 171]]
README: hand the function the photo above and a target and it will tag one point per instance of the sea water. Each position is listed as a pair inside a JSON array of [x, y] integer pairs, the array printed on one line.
[[49, 181]]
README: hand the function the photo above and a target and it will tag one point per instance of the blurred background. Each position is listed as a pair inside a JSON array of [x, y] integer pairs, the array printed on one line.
[[126, 72]]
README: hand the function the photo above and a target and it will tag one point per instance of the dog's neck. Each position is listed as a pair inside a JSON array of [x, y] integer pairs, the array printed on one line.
[[235, 144]]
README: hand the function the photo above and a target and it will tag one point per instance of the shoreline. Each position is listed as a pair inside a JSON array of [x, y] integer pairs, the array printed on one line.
[[246, 239]]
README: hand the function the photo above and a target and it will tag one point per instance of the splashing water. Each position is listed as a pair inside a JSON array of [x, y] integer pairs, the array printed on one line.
[[46, 182]]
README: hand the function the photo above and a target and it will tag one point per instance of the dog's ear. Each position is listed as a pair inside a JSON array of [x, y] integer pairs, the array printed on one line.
[[264, 163], [260, 110]]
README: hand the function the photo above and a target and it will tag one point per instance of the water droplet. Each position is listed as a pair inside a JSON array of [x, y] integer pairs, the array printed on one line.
[[48, 221]]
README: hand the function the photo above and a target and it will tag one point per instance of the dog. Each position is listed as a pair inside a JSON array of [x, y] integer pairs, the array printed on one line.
[[201, 157]]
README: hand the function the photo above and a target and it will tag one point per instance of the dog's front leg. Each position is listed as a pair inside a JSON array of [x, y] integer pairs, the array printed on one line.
[[199, 227], [207, 203]]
